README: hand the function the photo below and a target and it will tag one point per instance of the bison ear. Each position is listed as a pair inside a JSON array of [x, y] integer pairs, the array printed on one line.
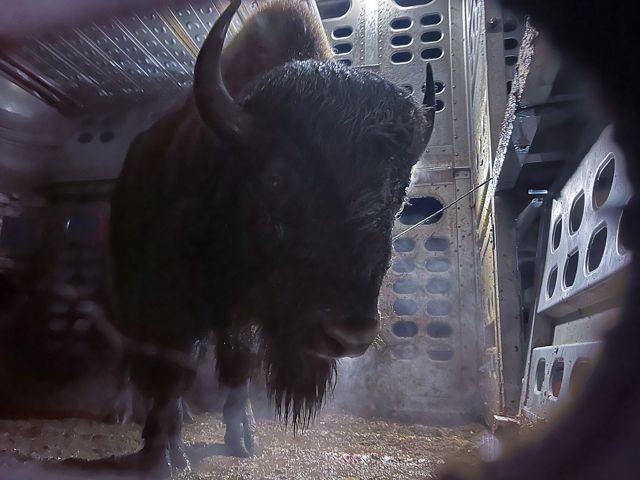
[[280, 31]]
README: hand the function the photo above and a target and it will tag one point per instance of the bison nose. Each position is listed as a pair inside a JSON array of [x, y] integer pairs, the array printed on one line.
[[354, 334]]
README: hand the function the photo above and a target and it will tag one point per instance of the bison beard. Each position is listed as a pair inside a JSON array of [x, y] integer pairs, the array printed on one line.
[[297, 384], [265, 218]]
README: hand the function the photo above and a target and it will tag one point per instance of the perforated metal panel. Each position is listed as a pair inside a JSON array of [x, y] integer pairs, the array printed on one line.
[[128, 60], [584, 258], [583, 278]]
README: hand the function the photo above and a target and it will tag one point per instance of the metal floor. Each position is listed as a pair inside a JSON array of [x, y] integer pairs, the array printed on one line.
[[338, 446]]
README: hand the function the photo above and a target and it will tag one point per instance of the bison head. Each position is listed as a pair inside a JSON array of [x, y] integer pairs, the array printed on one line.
[[325, 154]]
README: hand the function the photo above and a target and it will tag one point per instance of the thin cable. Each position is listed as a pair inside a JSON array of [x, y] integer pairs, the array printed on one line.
[[442, 209]]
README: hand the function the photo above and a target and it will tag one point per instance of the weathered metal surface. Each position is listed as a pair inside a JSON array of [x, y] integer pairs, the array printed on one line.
[[557, 375], [583, 246], [130, 59], [487, 26]]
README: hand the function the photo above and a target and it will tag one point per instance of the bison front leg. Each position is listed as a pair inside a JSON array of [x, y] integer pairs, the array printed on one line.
[[163, 384], [241, 438], [236, 358]]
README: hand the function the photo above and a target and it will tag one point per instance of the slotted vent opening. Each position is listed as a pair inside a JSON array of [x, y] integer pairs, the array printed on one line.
[[577, 212], [604, 182], [597, 246], [418, 209], [431, 53], [431, 19], [401, 23], [510, 43], [557, 233], [432, 36], [401, 40], [571, 269], [540, 374], [333, 8], [405, 307], [552, 280], [343, 32], [556, 377], [413, 3], [403, 265], [342, 48], [405, 329], [399, 58]]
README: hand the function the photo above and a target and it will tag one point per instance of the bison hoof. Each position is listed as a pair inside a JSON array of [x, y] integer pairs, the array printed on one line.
[[178, 458], [241, 442]]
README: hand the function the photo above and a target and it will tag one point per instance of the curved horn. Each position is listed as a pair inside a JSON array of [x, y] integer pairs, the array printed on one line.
[[216, 107], [429, 102]]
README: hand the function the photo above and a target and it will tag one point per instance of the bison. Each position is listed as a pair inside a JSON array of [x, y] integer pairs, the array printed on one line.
[[261, 211]]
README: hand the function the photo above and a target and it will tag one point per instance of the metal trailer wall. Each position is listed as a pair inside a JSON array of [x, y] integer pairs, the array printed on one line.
[[426, 365], [583, 280], [492, 40]]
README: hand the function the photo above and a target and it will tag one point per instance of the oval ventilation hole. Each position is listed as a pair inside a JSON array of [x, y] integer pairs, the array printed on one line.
[[433, 36], [401, 57], [401, 23], [624, 228], [342, 32], [84, 138], [597, 246], [552, 281], [437, 265], [438, 286], [413, 3], [557, 233], [403, 265], [510, 60], [407, 88], [405, 351], [107, 136], [342, 48], [401, 40], [540, 374], [580, 373], [439, 105], [405, 329], [439, 87], [419, 209], [346, 62], [431, 53], [438, 308], [405, 307], [571, 269], [510, 43], [404, 286], [439, 330], [404, 244], [431, 19], [604, 182], [440, 353], [509, 85], [557, 372], [436, 244], [577, 212], [334, 9]]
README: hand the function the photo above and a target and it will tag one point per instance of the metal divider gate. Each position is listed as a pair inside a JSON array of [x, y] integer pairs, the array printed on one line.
[[425, 367]]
